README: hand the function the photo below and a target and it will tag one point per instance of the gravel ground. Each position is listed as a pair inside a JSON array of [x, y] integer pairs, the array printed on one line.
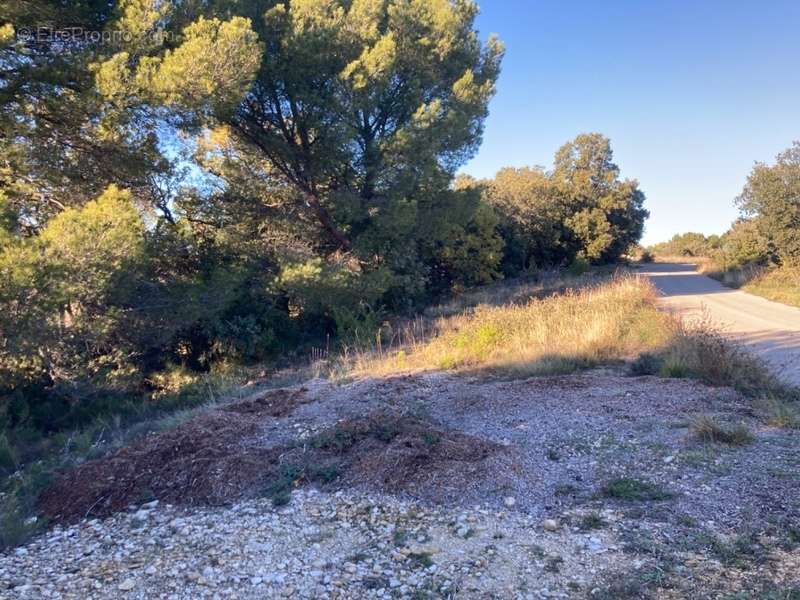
[[319, 546], [600, 491]]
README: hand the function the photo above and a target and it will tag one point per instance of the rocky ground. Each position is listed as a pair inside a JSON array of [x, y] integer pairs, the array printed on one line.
[[429, 486]]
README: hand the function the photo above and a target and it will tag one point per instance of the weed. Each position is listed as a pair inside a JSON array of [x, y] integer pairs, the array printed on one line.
[[422, 559], [326, 474], [553, 564], [781, 413], [400, 537], [628, 588], [8, 459], [566, 489], [344, 436], [626, 488], [686, 520], [430, 439], [553, 454], [646, 363], [537, 551], [591, 521], [738, 551], [703, 352], [791, 537], [358, 557], [280, 490], [706, 429]]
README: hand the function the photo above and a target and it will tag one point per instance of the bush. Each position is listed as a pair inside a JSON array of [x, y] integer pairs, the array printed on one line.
[[8, 460], [627, 488], [707, 429], [781, 284], [578, 267], [705, 354], [646, 363]]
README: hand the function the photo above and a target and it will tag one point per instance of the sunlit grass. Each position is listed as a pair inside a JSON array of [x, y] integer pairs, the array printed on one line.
[[562, 333], [780, 285]]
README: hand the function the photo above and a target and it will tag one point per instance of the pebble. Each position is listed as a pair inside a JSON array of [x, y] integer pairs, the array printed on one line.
[[307, 551], [127, 585], [550, 525]]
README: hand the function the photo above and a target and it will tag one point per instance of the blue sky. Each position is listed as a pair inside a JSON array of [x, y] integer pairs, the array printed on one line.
[[690, 93]]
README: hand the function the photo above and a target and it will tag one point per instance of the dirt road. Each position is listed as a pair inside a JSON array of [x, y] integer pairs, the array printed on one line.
[[768, 328]]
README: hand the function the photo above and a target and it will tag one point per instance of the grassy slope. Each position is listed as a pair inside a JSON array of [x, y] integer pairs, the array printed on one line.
[[603, 323], [780, 285], [578, 328]]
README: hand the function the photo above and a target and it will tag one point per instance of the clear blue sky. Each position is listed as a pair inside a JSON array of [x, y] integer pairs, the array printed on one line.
[[690, 93]]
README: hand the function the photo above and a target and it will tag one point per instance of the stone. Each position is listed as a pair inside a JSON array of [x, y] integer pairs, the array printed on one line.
[[127, 585], [550, 525]]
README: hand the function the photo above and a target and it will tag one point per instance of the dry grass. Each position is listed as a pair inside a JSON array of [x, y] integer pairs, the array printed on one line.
[[707, 429], [578, 328], [599, 324], [701, 352], [780, 285], [779, 412]]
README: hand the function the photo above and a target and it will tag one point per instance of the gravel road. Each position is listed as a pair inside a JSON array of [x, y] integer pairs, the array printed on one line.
[[770, 329]]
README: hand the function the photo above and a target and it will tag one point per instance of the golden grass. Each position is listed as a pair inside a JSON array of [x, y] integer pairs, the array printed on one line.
[[780, 285], [601, 323], [578, 328], [707, 429]]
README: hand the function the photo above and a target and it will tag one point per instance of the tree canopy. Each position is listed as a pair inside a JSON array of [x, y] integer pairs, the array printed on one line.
[[198, 184], [580, 209], [771, 197]]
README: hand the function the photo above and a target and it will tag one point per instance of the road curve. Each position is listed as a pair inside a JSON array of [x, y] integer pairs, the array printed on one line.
[[770, 329]]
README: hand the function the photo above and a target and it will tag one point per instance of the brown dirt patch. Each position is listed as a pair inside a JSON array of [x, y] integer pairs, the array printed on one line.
[[200, 462], [396, 453], [222, 456], [203, 461], [277, 403]]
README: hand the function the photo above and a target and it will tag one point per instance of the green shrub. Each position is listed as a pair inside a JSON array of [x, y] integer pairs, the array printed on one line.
[[8, 460], [646, 363], [578, 267], [626, 488]]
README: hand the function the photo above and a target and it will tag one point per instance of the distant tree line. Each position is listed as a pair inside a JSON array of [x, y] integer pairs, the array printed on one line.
[[767, 233], [222, 182]]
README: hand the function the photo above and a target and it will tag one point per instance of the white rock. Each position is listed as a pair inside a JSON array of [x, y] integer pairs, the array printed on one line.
[[127, 585], [550, 525]]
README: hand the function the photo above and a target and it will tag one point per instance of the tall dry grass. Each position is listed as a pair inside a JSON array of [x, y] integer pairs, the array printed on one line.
[[561, 333], [701, 351], [781, 285], [601, 323]]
